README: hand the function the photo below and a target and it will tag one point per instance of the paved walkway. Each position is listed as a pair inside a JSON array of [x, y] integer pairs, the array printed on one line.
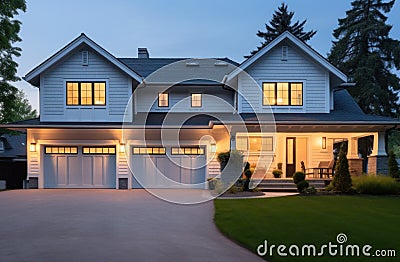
[[109, 225]]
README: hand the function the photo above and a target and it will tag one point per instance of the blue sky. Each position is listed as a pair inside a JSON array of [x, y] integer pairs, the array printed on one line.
[[174, 28]]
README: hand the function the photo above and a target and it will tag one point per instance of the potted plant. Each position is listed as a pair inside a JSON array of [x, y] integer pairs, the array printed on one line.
[[278, 172]]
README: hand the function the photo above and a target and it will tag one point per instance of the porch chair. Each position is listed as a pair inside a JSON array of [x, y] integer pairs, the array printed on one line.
[[325, 168]]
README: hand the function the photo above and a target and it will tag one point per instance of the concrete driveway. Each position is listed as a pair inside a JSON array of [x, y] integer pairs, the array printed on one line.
[[109, 225]]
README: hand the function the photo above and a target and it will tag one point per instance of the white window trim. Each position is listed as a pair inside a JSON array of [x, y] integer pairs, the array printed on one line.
[[158, 100], [201, 100], [294, 108], [85, 80]]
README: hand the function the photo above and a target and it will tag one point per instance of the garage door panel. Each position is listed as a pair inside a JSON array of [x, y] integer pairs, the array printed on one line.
[[73, 167], [174, 171], [87, 168], [50, 165]]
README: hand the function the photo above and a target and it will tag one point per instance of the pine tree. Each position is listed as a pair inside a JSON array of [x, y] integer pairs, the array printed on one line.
[[342, 179], [282, 21], [9, 29], [364, 51]]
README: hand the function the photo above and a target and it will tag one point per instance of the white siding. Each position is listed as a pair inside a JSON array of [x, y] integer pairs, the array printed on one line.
[[53, 91], [214, 99], [298, 67]]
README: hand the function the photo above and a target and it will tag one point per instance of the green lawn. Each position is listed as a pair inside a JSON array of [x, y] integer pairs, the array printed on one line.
[[312, 220]]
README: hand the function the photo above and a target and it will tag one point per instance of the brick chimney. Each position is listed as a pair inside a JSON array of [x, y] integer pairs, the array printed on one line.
[[143, 53]]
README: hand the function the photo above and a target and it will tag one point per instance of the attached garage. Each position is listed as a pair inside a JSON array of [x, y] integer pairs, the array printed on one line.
[[168, 167], [79, 167]]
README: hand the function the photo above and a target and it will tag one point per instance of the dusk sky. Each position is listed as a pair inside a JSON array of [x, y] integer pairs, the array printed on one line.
[[174, 28]]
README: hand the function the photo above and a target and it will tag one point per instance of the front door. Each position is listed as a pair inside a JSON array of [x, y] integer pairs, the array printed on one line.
[[290, 156]]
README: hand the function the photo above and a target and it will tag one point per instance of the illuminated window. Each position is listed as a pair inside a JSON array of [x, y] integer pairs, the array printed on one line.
[[99, 93], [296, 94], [254, 143], [187, 151], [98, 150], [283, 94], [269, 94], [241, 143], [196, 100], [86, 93], [72, 94], [163, 100], [148, 151], [61, 150]]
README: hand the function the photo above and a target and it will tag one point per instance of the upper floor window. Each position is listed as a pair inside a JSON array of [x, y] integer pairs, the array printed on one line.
[[86, 93], [163, 100], [282, 94], [196, 100]]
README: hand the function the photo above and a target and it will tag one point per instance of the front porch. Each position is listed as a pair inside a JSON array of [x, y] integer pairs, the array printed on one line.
[[318, 151]]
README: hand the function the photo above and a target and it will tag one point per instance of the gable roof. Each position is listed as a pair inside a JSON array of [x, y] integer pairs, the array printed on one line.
[[33, 76], [300, 44]]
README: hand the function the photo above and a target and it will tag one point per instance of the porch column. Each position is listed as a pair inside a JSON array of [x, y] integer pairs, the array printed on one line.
[[355, 163], [378, 160]]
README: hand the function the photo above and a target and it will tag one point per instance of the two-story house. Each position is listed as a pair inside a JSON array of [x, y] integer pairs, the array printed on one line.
[[108, 122]]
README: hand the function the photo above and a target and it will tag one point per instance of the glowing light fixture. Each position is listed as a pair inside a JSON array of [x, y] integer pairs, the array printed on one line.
[[122, 147], [213, 148], [323, 142], [32, 147]]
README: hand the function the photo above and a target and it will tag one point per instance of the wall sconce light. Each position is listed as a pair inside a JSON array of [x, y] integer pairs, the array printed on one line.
[[122, 147], [324, 142], [213, 148], [32, 147]]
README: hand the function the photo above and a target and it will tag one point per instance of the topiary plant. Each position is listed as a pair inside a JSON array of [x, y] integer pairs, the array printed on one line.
[[298, 176], [302, 185], [393, 165], [277, 173], [342, 179]]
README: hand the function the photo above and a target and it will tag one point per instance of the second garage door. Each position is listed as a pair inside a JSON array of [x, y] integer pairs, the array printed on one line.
[[79, 167], [160, 167]]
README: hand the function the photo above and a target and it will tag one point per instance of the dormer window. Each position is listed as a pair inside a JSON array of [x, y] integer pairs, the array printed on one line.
[[196, 100], [163, 100], [282, 94], [86, 93]]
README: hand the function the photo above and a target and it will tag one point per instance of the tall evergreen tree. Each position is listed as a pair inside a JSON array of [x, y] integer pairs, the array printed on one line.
[[9, 29], [282, 21], [342, 178], [364, 51]]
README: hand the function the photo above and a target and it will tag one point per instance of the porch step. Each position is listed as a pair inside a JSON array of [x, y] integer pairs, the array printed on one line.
[[287, 185]]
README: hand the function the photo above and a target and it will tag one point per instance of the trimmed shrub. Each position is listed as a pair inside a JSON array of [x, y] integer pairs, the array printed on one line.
[[277, 173], [211, 183], [393, 166], [342, 179], [298, 176], [302, 185], [231, 166], [280, 166], [376, 185]]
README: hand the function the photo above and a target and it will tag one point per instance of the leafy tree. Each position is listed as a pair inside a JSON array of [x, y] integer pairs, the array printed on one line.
[[342, 179], [282, 21], [9, 29], [21, 109], [393, 166], [364, 51]]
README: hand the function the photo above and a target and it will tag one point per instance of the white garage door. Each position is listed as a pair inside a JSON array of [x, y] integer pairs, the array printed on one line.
[[160, 167], [79, 167]]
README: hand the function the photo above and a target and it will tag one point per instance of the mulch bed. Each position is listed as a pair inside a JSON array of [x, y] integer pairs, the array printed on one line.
[[242, 194]]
